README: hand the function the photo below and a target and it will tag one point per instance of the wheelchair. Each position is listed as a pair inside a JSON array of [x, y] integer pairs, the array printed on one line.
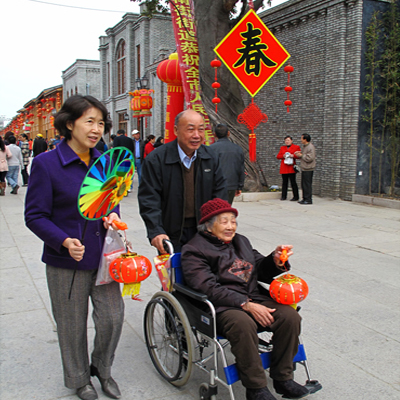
[[179, 328]]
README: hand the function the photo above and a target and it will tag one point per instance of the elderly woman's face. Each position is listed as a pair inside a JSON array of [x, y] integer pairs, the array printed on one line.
[[224, 227]]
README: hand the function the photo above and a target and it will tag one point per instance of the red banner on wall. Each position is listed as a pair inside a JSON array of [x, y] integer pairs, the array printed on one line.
[[188, 53]]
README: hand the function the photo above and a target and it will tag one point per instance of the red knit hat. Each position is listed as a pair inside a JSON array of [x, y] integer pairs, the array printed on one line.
[[214, 207]]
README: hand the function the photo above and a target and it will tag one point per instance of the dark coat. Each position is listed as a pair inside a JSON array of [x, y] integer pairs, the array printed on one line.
[[51, 208], [123, 141], [161, 190], [231, 158], [227, 272], [39, 146]]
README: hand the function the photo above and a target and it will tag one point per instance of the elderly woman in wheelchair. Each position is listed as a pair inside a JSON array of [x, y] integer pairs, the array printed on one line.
[[223, 265]]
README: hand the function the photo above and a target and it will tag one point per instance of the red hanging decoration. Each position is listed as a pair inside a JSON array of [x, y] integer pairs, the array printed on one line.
[[288, 69], [216, 100], [252, 117]]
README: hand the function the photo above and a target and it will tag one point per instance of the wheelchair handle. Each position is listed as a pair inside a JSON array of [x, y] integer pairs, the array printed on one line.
[[169, 248]]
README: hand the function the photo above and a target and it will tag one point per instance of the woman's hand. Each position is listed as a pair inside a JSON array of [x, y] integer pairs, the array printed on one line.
[[262, 314], [157, 242], [75, 247], [108, 221], [278, 253]]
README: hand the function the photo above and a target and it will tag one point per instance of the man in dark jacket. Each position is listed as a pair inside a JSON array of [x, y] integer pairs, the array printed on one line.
[[177, 179], [231, 158], [39, 145], [223, 265], [121, 140]]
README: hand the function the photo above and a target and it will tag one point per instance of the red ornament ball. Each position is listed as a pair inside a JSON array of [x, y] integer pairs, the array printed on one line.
[[215, 63], [216, 85], [288, 68], [288, 89], [216, 100], [288, 103]]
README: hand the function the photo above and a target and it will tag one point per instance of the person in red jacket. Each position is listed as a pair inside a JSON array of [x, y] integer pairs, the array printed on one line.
[[288, 161], [149, 145]]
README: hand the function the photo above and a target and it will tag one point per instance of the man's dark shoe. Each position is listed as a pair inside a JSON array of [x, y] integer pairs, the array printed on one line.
[[87, 392], [290, 389], [259, 394], [294, 199], [305, 202], [109, 386], [283, 198]]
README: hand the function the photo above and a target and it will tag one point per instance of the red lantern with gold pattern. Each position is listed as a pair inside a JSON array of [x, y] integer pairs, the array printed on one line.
[[130, 269], [288, 289]]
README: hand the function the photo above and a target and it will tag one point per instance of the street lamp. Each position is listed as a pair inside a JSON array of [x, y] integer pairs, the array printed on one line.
[[141, 83]]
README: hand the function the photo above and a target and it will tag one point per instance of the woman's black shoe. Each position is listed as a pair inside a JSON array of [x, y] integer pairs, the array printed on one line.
[[87, 392], [109, 386]]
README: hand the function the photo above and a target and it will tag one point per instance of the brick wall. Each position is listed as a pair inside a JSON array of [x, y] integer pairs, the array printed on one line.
[[323, 39]]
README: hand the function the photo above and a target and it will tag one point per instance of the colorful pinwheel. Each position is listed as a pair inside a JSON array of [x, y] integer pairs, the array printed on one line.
[[106, 183]]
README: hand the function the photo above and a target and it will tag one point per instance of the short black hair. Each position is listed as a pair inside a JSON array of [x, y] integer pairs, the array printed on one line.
[[24, 135], [288, 136], [120, 132], [73, 108], [12, 139], [307, 137], [221, 131]]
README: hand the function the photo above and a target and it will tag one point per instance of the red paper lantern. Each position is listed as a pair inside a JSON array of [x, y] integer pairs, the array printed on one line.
[[130, 268], [169, 72], [288, 289], [288, 69], [215, 85]]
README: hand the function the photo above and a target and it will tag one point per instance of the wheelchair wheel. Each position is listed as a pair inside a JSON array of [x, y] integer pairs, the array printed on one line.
[[169, 338]]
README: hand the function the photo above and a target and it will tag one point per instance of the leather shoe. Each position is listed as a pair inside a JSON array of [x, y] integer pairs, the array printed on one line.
[[87, 392], [109, 386], [283, 198], [290, 389], [259, 394], [294, 199], [304, 202]]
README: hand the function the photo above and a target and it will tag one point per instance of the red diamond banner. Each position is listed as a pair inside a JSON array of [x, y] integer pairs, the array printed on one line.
[[252, 53]]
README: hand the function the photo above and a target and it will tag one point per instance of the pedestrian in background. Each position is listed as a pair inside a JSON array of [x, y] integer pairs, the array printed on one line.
[[288, 161], [137, 153], [5, 153], [231, 159], [39, 145], [307, 165], [121, 140], [149, 145], [25, 157], [14, 162], [51, 213], [159, 142]]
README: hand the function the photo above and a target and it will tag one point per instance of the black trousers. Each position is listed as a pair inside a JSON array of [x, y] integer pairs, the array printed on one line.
[[306, 185], [293, 184], [25, 175]]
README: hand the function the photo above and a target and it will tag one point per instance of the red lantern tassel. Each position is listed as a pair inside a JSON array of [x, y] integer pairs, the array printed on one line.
[[252, 147]]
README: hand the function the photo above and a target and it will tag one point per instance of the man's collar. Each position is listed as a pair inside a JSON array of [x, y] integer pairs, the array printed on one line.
[[183, 156]]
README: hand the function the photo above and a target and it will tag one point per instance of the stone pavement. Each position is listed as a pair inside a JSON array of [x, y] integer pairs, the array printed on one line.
[[348, 253]]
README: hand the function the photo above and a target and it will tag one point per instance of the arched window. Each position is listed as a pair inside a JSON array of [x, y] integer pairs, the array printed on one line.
[[121, 67]]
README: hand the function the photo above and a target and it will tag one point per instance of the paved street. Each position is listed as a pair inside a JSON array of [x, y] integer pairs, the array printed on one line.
[[348, 253]]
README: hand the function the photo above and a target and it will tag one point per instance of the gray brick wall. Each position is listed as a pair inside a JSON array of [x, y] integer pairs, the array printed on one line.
[[324, 40]]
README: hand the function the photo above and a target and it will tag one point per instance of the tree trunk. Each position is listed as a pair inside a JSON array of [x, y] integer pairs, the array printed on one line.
[[213, 24]]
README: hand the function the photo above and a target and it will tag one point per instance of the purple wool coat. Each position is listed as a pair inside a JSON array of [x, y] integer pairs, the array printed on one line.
[[51, 208]]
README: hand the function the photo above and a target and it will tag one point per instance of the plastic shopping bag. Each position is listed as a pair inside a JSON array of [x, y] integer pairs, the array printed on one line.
[[113, 247]]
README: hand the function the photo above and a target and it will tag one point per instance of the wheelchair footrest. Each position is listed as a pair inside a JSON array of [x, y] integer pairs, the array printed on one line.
[[313, 386], [232, 374]]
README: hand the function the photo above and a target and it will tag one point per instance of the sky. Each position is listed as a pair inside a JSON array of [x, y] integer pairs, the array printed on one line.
[[40, 39]]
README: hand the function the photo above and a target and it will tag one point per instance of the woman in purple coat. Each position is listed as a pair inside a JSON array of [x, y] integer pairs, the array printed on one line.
[[51, 213]]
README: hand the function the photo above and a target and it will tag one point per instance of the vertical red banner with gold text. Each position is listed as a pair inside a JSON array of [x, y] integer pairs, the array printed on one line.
[[188, 54]]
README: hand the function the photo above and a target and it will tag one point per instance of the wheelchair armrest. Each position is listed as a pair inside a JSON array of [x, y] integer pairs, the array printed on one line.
[[190, 292]]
